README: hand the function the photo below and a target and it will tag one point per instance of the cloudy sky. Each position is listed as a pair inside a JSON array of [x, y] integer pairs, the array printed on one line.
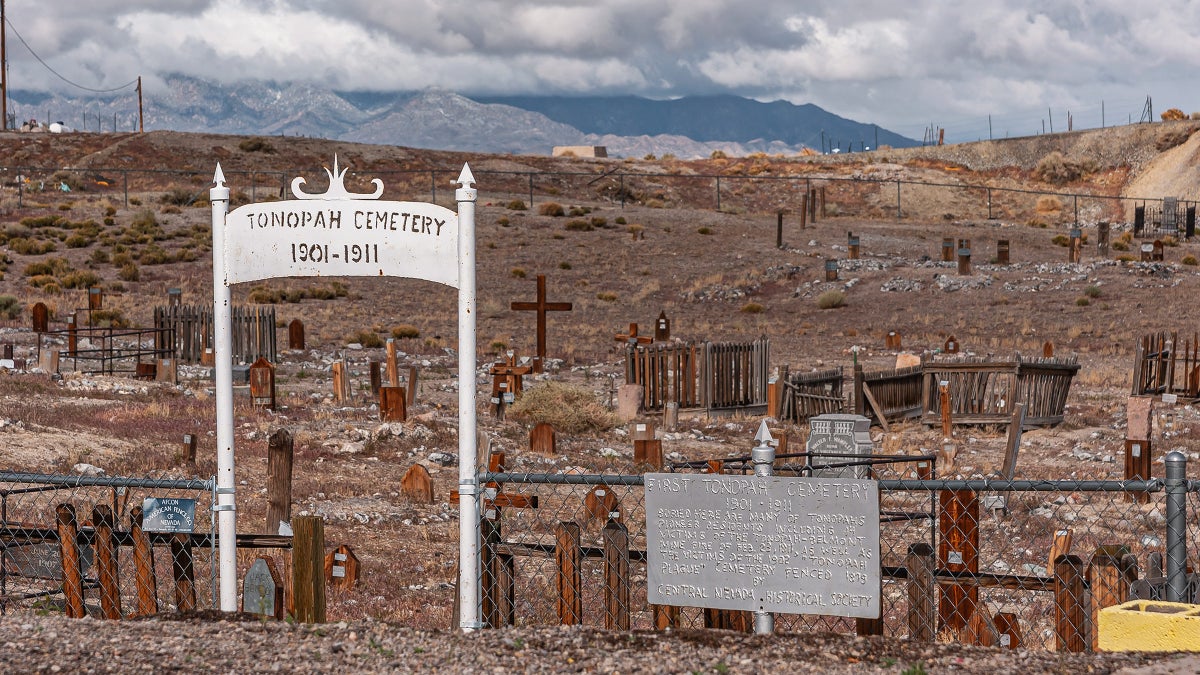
[[904, 64]]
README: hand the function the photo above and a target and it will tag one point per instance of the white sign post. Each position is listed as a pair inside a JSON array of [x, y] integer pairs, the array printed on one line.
[[339, 233]]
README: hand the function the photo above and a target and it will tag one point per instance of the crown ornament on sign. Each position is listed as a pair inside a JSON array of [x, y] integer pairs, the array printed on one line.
[[337, 186]]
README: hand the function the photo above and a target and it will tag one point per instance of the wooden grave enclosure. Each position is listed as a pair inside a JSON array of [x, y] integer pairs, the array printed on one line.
[[715, 376], [984, 391], [1163, 364], [253, 331]]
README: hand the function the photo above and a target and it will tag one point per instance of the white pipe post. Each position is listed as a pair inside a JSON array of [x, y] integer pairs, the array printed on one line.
[[218, 196], [469, 598]]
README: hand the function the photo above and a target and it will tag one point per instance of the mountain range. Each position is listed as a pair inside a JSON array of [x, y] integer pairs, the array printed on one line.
[[687, 127]]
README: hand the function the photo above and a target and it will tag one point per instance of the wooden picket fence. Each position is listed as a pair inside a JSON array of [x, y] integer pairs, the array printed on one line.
[[1164, 365], [806, 395], [709, 375], [888, 395], [984, 392], [253, 330]]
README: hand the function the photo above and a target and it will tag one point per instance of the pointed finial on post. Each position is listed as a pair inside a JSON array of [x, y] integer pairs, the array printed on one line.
[[763, 437], [467, 191], [219, 177], [218, 192], [763, 455]]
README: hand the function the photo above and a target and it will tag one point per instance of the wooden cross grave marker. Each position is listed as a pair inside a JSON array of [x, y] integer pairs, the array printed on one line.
[[541, 307], [632, 337], [494, 498], [506, 382]]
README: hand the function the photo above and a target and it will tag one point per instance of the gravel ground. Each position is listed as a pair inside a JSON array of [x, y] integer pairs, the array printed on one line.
[[168, 644]]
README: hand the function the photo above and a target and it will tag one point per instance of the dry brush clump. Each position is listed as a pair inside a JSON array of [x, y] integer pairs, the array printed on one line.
[[1173, 137], [1055, 168], [568, 408]]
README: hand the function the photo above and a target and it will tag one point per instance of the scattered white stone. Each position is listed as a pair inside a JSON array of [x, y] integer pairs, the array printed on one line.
[[87, 469], [443, 458]]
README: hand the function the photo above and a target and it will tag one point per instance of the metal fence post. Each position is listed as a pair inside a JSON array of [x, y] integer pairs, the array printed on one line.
[[763, 456], [1176, 487]]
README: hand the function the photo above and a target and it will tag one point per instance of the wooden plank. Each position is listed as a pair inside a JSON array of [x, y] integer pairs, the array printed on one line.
[[879, 413], [308, 569], [1070, 633], [1107, 582], [184, 572], [417, 484], [922, 616], [568, 561], [143, 563], [280, 448], [1013, 443], [67, 527], [1060, 547], [616, 576], [106, 562], [958, 551]]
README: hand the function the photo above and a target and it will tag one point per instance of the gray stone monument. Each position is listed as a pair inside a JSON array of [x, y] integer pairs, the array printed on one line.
[[838, 435]]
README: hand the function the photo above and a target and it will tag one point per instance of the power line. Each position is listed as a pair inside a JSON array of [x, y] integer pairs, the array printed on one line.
[[59, 75]]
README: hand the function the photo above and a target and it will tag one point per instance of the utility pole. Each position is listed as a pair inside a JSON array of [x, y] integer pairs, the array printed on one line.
[[141, 128], [3, 70]]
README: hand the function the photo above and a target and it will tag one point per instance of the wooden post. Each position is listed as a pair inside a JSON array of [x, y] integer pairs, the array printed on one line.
[[1013, 443], [616, 576], [412, 385], [964, 257], [341, 382], [308, 569], [922, 617], [105, 546], [189, 448], [648, 453], [262, 384], [1106, 579], [568, 558], [667, 616], [948, 249], [1002, 252], [1069, 629], [184, 573], [376, 377], [958, 551], [779, 229], [1137, 466], [393, 371], [852, 246], [944, 400], [296, 334], [280, 447], [143, 562], [67, 527]]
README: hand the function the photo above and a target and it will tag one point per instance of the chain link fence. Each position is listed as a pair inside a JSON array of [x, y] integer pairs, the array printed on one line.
[[82, 545], [1020, 563]]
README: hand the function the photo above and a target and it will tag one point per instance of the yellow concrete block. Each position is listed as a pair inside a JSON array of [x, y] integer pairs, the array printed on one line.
[[1150, 626]]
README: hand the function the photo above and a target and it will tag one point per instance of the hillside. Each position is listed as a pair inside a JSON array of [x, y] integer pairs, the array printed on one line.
[[622, 240]]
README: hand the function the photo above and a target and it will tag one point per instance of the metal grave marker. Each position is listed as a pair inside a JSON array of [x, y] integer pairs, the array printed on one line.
[[262, 590], [763, 543], [340, 233], [837, 434], [168, 514]]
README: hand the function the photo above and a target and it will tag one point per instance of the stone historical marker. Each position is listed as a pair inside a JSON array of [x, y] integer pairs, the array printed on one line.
[[763, 543], [834, 435]]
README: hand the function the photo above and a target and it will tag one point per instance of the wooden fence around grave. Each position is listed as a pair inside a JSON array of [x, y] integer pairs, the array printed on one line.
[[888, 395], [1164, 365], [807, 395], [983, 392], [709, 375], [253, 331]]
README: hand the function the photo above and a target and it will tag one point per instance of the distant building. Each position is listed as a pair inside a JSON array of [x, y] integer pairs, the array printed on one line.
[[579, 151]]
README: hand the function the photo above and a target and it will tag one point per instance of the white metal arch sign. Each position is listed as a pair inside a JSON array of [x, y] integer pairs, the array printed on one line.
[[339, 233]]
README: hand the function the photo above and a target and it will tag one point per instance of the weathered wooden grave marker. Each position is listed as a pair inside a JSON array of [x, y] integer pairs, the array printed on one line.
[[1157, 250], [662, 327], [375, 372], [852, 244], [174, 297], [892, 340], [189, 448], [601, 505], [41, 317], [1048, 349], [280, 454], [1102, 233], [8, 351], [1147, 250], [831, 270], [417, 485], [341, 381], [542, 440], [541, 306], [393, 404], [506, 383], [647, 447], [947, 249], [1002, 252], [341, 568], [632, 337], [95, 298], [296, 334], [166, 370], [958, 551], [393, 367], [72, 335], [262, 590], [950, 346], [262, 384], [964, 257], [411, 384]]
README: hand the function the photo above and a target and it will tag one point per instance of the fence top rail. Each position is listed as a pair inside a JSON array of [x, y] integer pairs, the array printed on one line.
[[902, 485], [107, 481]]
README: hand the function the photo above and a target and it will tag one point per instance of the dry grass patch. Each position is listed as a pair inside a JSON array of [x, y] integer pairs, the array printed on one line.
[[569, 409]]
